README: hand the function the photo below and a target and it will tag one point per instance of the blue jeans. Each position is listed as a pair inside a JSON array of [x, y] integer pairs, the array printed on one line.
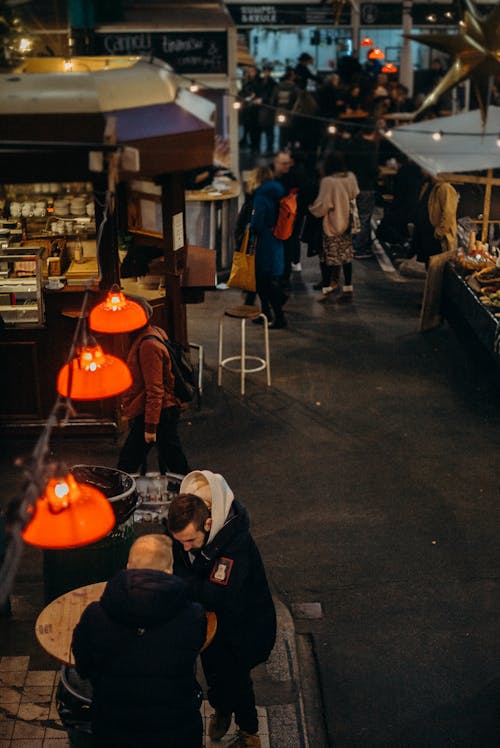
[[362, 242]]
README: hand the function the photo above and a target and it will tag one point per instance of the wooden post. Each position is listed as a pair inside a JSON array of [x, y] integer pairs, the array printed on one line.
[[486, 206], [175, 248]]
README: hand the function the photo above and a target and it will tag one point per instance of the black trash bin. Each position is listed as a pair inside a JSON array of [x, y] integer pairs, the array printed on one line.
[[67, 569], [73, 701]]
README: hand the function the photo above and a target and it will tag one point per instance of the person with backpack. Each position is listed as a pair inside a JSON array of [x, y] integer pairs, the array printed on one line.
[[289, 170], [151, 403]]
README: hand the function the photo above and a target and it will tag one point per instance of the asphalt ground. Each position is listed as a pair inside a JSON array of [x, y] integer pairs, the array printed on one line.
[[370, 472]]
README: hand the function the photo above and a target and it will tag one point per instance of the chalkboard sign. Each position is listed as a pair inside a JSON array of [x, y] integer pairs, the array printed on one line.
[[189, 53]]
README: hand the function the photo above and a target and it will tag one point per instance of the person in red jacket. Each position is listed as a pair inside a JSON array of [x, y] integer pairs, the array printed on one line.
[[150, 403]]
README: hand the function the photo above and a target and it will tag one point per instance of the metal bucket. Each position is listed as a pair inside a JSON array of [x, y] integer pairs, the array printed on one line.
[[73, 700]]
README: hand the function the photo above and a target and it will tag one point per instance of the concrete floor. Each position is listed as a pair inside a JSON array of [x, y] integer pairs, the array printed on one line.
[[370, 471]]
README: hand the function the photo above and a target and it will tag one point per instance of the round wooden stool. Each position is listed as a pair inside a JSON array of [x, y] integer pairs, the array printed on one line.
[[244, 313]]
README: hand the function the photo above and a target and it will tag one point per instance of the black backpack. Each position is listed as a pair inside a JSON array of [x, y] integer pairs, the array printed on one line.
[[185, 385]]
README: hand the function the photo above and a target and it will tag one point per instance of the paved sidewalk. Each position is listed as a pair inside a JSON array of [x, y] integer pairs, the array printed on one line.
[[28, 685]]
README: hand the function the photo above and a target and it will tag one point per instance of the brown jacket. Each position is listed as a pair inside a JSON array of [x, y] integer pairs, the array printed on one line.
[[152, 387]]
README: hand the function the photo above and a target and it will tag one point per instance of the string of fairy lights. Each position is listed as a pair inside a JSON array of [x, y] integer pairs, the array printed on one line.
[[332, 125]]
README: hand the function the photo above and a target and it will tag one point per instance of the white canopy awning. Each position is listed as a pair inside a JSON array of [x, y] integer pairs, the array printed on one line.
[[463, 146]]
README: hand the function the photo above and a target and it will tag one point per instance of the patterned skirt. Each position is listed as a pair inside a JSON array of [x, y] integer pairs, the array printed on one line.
[[337, 250]]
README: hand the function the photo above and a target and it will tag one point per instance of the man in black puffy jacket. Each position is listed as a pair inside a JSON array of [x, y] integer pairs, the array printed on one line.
[[138, 646], [215, 553]]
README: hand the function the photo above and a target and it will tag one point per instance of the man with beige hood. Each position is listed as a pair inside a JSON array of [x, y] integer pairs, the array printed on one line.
[[215, 553]]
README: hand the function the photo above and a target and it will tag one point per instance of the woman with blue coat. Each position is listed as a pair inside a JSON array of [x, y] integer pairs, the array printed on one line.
[[269, 254]]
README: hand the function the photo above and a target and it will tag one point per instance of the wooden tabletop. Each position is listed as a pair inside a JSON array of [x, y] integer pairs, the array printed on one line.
[[55, 624], [233, 189]]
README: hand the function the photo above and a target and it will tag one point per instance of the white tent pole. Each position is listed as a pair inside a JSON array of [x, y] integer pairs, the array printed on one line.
[[405, 60]]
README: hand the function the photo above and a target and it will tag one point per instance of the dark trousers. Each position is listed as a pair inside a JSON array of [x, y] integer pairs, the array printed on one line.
[[271, 296], [366, 202], [230, 688], [171, 458]]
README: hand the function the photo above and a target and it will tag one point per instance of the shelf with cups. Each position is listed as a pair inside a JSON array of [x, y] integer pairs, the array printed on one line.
[[21, 303]]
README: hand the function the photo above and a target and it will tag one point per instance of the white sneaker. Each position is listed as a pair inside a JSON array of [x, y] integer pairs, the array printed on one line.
[[296, 267]]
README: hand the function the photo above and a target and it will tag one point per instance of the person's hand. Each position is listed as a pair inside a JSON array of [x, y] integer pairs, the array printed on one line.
[[149, 438]]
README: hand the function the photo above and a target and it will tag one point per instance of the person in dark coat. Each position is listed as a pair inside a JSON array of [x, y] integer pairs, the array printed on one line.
[[138, 646], [215, 553], [302, 72], [266, 100]]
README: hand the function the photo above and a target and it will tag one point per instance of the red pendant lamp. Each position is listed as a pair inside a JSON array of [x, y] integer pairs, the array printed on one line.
[[366, 42], [117, 313], [93, 375], [389, 68], [376, 54], [68, 515]]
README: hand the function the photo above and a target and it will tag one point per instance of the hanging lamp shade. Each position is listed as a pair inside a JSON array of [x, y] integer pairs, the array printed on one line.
[[389, 68], [69, 514], [116, 314], [366, 42], [376, 54], [93, 375]]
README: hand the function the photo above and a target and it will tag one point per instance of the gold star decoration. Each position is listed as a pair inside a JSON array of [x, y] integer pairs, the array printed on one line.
[[477, 56]]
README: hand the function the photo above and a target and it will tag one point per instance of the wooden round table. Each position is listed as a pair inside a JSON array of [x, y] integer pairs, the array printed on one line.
[[55, 624]]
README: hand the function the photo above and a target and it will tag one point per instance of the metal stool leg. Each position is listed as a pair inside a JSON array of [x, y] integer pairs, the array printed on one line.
[[219, 366], [268, 356], [243, 354], [200, 365]]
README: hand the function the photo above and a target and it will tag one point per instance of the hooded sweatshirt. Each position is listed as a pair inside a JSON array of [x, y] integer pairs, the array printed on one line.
[[227, 575], [138, 647]]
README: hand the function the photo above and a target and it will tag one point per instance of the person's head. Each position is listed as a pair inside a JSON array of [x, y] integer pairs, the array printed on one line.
[[306, 59], [334, 162], [189, 521], [148, 310], [267, 70], [282, 163], [151, 552], [258, 176]]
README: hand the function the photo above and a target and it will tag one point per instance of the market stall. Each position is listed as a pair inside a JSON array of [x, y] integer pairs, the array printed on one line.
[[71, 145], [463, 152]]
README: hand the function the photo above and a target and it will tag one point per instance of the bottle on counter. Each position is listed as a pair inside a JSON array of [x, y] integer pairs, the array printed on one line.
[[78, 250]]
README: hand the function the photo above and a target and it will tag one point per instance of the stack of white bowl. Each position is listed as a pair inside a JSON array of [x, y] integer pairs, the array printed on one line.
[[77, 206], [61, 206]]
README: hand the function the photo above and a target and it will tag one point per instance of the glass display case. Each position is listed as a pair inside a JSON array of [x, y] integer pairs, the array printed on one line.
[[21, 299]]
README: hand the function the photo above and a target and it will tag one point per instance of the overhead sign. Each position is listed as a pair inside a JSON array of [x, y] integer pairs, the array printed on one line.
[[189, 53], [287, 15]]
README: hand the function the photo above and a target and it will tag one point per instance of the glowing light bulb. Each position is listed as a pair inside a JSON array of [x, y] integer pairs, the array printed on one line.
[[498, 141], [332, 129], [437, 135], [194, 87], [68, 65], [388, 134], [25, 45], [281, 119], [236, 104]]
